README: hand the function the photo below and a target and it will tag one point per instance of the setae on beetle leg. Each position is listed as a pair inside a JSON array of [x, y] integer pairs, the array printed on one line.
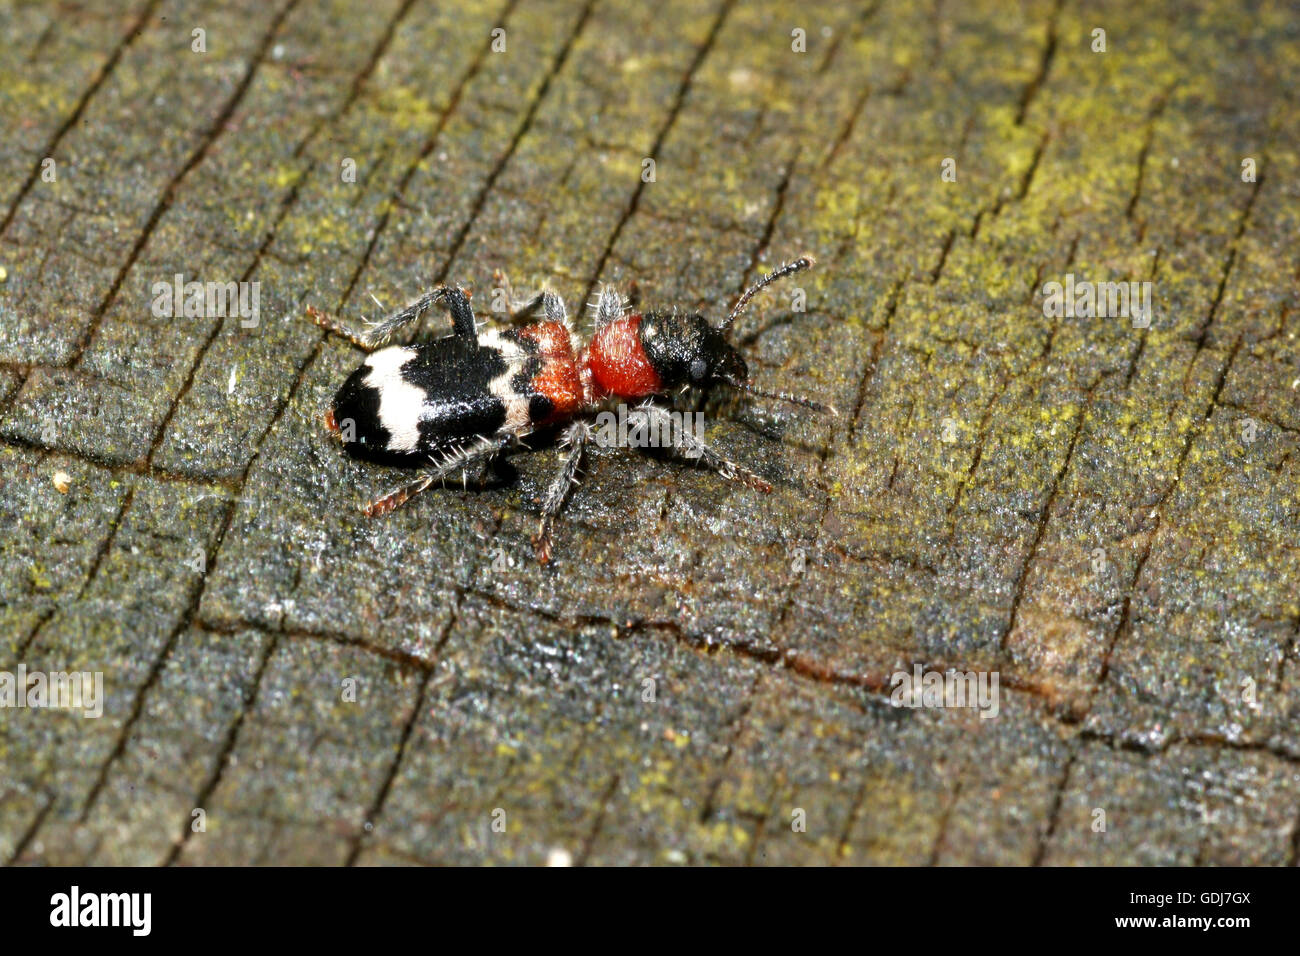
[[379, 333], [659, 422], [456, 459], [331, 324], [575, 437], [547, 302], [450, 297], [609, 305]]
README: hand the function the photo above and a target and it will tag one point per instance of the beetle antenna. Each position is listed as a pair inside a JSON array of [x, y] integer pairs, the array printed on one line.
[[790, 268], [752, 389]]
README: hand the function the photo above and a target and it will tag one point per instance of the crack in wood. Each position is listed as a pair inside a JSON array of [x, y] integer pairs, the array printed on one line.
[[168, 195]]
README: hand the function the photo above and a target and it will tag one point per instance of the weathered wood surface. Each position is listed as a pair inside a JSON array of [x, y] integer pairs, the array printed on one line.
[[522, 688]]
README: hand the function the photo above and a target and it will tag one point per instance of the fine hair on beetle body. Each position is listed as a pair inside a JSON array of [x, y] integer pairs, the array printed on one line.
[[453, 404]]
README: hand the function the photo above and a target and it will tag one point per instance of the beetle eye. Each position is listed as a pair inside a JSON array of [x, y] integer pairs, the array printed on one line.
[[698, 369]]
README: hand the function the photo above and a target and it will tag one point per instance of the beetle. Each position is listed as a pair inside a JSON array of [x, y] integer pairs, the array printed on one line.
[[454, 403]]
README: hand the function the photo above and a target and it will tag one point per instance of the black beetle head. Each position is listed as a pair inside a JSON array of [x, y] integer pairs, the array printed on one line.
[[686, 350]]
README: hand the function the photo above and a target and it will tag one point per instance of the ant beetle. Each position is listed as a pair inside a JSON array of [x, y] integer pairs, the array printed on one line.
[[452, 403]]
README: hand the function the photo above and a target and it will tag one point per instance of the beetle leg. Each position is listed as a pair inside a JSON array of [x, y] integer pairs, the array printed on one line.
[[378, 334], [456, 459], [658, 422], [575, 437], [547, 302]]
